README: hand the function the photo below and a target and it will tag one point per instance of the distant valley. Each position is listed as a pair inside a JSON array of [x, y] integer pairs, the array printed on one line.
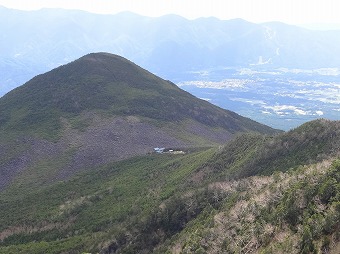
[[282, 98]]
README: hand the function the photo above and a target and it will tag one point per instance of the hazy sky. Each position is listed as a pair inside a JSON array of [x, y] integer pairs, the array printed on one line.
[[288, 11]]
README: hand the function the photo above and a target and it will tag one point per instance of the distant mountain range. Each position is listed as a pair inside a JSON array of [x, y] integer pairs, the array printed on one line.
[[34, 42]]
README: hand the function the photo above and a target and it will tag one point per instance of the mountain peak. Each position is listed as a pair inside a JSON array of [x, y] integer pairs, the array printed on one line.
[[97, 56], [100, 62], [108, 67], [110, 83]]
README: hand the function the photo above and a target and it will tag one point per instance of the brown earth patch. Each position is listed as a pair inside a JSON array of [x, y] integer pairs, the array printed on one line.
[[102, 140]]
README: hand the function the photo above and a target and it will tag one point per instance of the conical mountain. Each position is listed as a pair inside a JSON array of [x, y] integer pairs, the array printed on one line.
[[115, 85], [102, 108]]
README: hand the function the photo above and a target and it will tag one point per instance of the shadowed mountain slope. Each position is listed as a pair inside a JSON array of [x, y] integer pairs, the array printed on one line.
[[102, 108]]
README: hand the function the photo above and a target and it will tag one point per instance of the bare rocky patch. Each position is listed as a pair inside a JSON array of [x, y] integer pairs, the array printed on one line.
[[93, 140]]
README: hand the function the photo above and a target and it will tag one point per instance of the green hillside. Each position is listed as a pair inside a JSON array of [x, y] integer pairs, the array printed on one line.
[[252, 154], [110, 85], [295, 212], [99, 109], [189, 203]]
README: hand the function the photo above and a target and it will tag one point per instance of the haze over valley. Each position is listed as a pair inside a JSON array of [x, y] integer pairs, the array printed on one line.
[[282, 98]]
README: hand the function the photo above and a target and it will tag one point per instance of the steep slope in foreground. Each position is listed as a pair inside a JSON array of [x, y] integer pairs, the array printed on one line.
[[250, 154], [165, 204], [98, 109], [295, 212]]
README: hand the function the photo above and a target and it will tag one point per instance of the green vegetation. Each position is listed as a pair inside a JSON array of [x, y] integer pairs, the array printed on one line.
[[270, 194], [113, 86], [283, 213], [195, 202], [253, 154], [103, 202]]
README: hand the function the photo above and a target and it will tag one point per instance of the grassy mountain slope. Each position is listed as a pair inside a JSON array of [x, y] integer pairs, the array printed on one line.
[[114, 85], [94, 208], [182, 204], [98, 109], [295, 212], [251, 154]]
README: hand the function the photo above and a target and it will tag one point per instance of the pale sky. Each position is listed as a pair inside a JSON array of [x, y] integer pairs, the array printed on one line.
[[287, 11]]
